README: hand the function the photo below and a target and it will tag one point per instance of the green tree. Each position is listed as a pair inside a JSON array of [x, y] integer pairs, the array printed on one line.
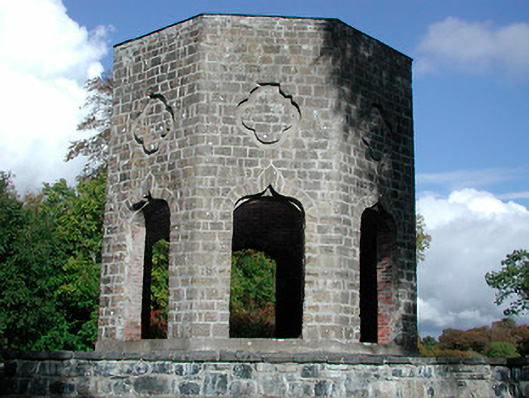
[[97, 122], [159, 289], [29, 277], [11, 216], [502, 339], [49, 272], [521, 337], [447, 353], [252, 294], [78, 229], [476, 339], [503, 330], [512, 282], [428, 346], [50, 245], [502, 349], [423, 239]]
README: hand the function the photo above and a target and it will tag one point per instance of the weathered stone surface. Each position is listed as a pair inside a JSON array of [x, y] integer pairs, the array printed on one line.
[[324, 388], [356, 386], [62, 387], [188, 369], [215, 384], [189, 388], [310, 371], [242, 371], [162, 368], [523, 389], [105, 368], [38, 387], [152, 385], [525, 373], [425, 378], [300, 389], [272, 384], [242, 388], [83, 385]]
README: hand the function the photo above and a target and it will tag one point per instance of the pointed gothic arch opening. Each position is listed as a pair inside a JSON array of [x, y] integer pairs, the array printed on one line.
[[156, 213], [377, 246], [274, 224]]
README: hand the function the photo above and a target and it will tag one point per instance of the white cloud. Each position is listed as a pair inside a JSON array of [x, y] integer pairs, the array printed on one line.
[[45, 58], [471, 231], [515, 195], [475, 47], [481, 178]]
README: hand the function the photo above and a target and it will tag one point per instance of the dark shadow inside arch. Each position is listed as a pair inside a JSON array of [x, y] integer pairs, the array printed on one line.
[[274, 224], [376, 259], [155, 280]]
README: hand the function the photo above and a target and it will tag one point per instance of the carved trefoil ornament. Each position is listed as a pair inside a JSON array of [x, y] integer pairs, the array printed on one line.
[[153, 122], [268, 114]]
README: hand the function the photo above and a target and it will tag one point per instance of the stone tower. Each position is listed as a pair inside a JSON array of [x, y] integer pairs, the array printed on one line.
[[293, 136]]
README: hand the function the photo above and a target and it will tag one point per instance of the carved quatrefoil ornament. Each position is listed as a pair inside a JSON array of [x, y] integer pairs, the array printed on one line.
[[268, 114], [153, 123]]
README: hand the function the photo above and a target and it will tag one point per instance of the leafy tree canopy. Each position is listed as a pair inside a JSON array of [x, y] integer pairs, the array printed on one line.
[[502, 349], [501, 339], [49, 266], [252, 294], [159, 289], [512, 282], [423, 239], [50, 245], [97, 122]]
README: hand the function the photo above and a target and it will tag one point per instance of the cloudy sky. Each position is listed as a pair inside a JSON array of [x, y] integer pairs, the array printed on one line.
[[471, 109]]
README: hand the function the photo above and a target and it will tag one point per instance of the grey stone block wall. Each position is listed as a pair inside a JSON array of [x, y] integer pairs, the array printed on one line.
[[211, 374], [216, 108]]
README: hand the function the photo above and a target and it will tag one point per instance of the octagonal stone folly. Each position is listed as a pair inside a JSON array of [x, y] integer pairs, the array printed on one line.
[[292, 136]]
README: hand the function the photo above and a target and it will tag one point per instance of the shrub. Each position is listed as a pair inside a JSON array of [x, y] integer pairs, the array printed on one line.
[[252, 294], [502, 349]]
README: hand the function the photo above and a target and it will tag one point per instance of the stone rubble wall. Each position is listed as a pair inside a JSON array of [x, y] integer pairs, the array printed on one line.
[[210, 374]]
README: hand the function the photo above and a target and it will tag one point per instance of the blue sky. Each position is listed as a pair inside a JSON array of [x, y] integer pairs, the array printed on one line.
[[471, 112]]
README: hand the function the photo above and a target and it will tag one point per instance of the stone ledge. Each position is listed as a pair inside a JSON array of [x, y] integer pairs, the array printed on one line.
[[230, 356]]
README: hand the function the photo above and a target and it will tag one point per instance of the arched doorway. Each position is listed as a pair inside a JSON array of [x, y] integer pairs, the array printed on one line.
[[157, 226], [274, 224], [376, 274]]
